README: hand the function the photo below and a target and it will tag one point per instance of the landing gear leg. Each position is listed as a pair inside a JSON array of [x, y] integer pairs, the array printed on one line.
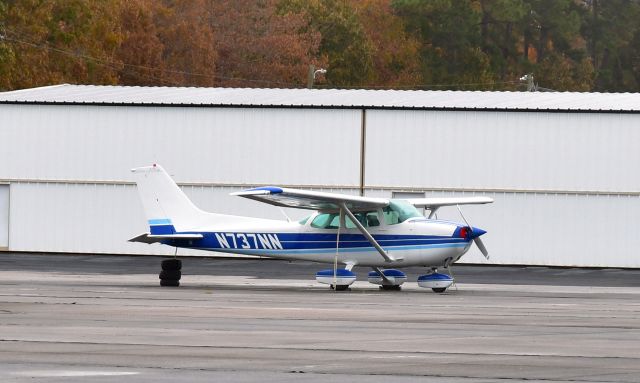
[[449, 269], [439, 290]]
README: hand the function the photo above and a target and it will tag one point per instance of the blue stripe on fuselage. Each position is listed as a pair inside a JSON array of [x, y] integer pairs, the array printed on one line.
[[395, 249], [306, 242]]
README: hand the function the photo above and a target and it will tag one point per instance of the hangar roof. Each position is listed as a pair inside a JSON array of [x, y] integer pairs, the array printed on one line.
[[325, 98]]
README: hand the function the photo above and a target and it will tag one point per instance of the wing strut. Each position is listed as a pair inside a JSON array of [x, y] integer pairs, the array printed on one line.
[[384, 277], [366, 234], [335, 260]]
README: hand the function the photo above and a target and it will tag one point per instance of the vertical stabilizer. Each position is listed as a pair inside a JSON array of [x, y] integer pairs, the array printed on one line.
[[167, 208]]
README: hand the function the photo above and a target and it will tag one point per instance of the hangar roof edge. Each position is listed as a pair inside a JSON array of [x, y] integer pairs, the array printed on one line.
[[324, 98]]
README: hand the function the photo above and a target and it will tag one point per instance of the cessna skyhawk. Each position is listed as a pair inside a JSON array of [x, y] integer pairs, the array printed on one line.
[[344, 230]]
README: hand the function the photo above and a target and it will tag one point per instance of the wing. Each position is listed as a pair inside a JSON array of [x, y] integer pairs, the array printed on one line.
[[312, 200], [434, 203]]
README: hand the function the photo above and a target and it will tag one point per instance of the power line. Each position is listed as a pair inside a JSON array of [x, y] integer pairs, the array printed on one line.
[[453, 85], [117, 65], [126, 68]]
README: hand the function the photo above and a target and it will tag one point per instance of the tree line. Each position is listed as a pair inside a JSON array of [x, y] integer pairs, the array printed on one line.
[[568, 45]]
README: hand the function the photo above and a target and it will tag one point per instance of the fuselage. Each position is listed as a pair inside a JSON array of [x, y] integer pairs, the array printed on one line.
[[415, 242]]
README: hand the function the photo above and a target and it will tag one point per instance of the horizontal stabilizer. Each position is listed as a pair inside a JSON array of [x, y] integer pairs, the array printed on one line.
[[150, 238]]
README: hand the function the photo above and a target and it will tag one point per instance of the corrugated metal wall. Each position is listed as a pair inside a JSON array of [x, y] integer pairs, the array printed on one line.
[[554, 229], [499, 150], [565, 186], [99, 218], [232, 146], [4, 216], [69, 165]]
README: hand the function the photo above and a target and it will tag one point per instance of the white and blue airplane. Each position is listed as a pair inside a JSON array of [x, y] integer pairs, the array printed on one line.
[[344, 230]]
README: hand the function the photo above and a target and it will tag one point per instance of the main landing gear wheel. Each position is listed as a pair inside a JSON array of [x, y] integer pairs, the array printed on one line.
[[340, 287], [169, 283], [439, 289], [171, 273], [171, 264], [391, 287]]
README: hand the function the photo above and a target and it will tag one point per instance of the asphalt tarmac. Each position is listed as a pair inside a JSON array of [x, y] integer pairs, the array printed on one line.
[[81, 318]]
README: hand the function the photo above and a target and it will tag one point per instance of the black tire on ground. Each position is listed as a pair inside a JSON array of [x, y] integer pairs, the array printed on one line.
[[391, 287], [171, 264], [439, 289], [169, 282], [171, 274], [341, 287]]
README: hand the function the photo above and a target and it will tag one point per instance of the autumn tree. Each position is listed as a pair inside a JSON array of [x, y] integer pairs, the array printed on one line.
[[141, 49], [343, 39], [167, 43], [553, 27], [502, 38], [612, 31], [260, 44], [450, 35], [189, 52], [49, 42], [394, 53], [576, 45]]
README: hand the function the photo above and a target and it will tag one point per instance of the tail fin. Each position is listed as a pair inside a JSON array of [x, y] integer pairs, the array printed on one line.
[[167, 208]]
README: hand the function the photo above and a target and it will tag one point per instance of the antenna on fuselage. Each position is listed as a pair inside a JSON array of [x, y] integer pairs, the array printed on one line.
[[285, 214]]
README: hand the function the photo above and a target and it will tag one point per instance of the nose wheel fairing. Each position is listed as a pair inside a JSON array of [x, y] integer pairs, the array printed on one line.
[[438, 282]]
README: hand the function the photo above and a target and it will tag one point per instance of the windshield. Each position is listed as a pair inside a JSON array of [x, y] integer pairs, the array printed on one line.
[[399, 211]]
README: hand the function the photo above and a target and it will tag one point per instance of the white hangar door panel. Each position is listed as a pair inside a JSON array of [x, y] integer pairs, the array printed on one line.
[[4, 216]]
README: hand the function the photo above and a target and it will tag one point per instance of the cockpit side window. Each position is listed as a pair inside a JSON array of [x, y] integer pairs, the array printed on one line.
[[390, 216], [322, 221], [304, 220], [331, 220], [372, 219]]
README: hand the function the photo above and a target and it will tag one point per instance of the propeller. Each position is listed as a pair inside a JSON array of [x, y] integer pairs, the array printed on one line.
[[476, 240]]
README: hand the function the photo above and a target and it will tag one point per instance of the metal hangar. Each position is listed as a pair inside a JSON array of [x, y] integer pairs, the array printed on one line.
[[562, 167]]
